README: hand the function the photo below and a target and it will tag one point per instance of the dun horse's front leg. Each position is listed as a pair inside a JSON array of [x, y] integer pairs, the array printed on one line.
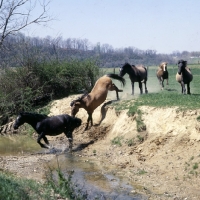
[[89, 120]]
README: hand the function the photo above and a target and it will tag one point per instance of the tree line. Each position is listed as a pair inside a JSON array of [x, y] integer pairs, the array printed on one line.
[[19, 50]]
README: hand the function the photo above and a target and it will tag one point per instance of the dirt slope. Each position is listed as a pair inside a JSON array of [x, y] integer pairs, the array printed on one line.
[[162, 162]]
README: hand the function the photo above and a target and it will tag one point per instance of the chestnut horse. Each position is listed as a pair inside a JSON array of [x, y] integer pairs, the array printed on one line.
[[97, 96], [136, 74], [162, 74], [184, 76]]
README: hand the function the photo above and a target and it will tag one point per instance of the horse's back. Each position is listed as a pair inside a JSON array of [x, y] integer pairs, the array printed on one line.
[[54, 125], [139, 73]]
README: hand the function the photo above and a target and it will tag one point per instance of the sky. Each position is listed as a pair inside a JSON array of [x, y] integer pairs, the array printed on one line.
[[161, 25]]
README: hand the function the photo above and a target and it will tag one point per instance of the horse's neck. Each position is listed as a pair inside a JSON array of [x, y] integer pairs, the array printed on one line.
[[32, 120]]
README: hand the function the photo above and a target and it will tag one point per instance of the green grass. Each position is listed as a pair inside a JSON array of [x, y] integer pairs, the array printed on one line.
[[171, 96], [117, 141], [14, 188], [23, 189]]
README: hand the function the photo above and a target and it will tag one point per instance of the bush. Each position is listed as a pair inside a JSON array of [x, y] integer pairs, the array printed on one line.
[[26, 88]]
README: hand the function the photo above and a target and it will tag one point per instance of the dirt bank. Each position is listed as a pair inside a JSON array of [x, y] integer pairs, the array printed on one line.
[[162, 162]]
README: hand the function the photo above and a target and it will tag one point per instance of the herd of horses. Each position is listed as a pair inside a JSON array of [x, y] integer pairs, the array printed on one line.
[[55, 125]]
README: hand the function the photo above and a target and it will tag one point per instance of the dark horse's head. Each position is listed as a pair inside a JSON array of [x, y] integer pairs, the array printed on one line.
[[123, 70], [181, 66], [26, 117], [76, 122]]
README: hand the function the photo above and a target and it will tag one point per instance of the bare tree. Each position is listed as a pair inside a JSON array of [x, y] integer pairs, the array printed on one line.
[[15, 15]]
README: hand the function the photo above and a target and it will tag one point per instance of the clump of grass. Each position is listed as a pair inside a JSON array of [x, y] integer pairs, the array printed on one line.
[[130, 142], [141, 172], [198, 118], [117, 141], [140, 138], [63, 186], [195, 166]]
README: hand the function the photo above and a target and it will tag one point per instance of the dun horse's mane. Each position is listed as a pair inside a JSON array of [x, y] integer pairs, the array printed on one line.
[[79, 99]]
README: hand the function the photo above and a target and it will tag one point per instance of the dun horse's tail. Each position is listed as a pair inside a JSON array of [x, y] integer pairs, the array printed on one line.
[[117, 77]]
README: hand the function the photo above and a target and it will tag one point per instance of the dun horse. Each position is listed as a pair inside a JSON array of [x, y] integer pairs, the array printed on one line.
[[162, 74], [96, 97], [52, 126], [184, 76], [136, 74]]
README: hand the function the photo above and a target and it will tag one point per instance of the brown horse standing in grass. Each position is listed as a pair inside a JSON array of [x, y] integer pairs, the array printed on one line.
[[97, 96], [184, 76], [136, 74], [162, 74]]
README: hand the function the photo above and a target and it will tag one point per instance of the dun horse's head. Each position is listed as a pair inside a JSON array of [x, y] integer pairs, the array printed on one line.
[[76, 104], [181, 66], [74, 107]]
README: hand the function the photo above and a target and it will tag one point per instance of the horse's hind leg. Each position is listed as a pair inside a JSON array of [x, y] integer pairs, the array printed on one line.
[[114, 87], [145, 85], [140, 86]]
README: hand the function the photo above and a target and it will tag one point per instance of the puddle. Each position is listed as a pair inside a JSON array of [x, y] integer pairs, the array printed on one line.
[[90, 178], [18, 145]]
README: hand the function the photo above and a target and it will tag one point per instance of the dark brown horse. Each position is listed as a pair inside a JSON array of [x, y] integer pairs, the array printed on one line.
[[97, 96], [162, 74], [136, 74], [184, 76]]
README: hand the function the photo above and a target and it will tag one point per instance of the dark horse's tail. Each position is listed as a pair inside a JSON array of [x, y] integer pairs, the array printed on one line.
[[117, 77]]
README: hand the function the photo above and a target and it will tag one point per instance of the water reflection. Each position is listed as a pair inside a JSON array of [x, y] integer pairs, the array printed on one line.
[[18, 145], [97, 182]]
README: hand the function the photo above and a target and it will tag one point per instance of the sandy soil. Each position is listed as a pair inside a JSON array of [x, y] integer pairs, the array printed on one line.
[[164, 164]]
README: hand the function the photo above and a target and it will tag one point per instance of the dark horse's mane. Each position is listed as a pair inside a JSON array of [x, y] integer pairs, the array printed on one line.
[[79, 99], [35, 115]]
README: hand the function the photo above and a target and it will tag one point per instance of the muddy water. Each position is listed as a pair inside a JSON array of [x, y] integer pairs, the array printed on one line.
[[87, 175], [18, 145], [96, 181]]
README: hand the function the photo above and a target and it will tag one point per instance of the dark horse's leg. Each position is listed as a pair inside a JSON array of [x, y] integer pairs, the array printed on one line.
[[145, 85], [188, 88], [183, 87], [70, 139], [42, 135], [132, 83], [140, 86]]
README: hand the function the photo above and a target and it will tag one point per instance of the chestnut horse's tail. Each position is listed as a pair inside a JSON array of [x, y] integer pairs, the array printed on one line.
[[117, 77]]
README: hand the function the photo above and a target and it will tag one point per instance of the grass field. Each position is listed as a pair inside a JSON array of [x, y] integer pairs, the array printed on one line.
[[170, 96]]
